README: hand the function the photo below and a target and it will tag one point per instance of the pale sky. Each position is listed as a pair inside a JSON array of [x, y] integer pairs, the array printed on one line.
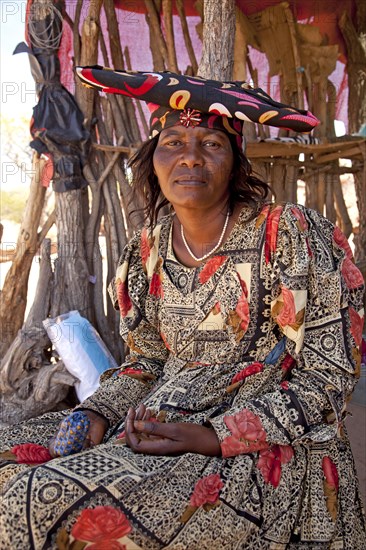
[[17, 97], [17, 85]]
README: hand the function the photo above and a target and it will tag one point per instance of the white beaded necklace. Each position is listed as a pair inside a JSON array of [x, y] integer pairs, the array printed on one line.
[[214, 248]]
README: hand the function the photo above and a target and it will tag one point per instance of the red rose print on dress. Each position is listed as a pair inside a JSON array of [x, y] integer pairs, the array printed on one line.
[[356, 325], [341, 240], [253, 368], [262, 216], [156, 288], [272, 231], [301, 221], [238, 319], [270, 461], [103, 526], [205, 494], [352, 275], [287, 314], [302, 224], [124, 301], [243, 285], [242, 309], [288, 363], [248, 434], [144, 246], [330, 485], [130, 371], [109, 545], [206, 490], [330, 472], [210, 268], [31, 453]]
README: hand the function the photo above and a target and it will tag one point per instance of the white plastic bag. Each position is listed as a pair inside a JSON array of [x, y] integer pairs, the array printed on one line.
[[81, 349]]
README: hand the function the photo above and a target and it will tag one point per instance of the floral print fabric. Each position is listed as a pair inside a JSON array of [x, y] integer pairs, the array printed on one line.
[[260, 343]]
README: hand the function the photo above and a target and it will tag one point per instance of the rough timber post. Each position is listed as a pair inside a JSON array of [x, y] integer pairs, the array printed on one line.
[[218, 40]]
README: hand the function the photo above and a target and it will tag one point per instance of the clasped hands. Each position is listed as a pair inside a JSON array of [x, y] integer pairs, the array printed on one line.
[[171, 438], [155, 438]]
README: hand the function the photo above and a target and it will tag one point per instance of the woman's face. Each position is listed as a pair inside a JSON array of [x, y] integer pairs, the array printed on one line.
[[193, 166]]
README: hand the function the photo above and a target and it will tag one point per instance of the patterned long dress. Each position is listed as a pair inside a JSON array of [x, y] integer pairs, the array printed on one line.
[[260, 343]]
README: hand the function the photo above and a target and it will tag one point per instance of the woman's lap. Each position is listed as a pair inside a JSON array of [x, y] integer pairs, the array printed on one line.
[[154, 494], [45, 498], [35, 430]]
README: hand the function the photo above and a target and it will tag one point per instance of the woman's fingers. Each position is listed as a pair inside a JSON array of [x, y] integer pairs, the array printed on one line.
[[87, 442], [51, 446], [132, 437], [130, 418], [148, 427], [142, 435], [97, 430], [176, 438], [140, 412]]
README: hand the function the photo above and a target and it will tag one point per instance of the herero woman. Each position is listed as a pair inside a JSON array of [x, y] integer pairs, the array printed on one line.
[[243, 319]]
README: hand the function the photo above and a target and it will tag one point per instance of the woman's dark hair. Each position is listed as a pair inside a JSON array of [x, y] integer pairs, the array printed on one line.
[[244, 187]]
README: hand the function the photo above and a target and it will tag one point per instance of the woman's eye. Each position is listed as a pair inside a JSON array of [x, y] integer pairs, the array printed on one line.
[[210, 144], [173, 143]]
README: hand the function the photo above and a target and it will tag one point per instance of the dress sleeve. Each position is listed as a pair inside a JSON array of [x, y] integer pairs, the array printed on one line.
[[316, 294], [148, 353]]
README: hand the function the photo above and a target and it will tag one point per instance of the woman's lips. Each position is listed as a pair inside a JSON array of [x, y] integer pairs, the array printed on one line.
[[190, 180]]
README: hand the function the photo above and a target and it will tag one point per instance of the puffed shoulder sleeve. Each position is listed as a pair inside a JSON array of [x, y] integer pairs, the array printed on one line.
[[148, 353], [316, 296]]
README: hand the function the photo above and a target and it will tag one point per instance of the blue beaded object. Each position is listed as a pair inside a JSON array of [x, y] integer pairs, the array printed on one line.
[[72, 433]]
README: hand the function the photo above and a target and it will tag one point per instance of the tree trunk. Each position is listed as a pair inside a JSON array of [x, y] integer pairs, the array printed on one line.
[[218, 40], [89, 56], [13, 297], [71, 280]]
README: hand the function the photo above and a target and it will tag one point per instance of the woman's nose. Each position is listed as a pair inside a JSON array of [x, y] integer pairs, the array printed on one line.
[[191, 155]]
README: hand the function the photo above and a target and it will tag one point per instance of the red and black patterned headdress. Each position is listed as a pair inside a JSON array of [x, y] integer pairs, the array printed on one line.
[[191, 101]]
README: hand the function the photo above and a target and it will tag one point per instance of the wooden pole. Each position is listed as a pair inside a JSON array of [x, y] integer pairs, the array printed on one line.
[[13, 297], [218, 40], [125, 104], [88, 56], [157, 35], [170, 45], [71, 289], [186, 35], [76, 35], [295, 51]]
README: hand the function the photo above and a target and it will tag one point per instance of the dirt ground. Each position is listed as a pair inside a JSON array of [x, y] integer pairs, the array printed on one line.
[[356, 426]]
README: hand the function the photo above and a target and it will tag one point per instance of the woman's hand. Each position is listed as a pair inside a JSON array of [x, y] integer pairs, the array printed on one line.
[[95, 435], [157, 438]]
